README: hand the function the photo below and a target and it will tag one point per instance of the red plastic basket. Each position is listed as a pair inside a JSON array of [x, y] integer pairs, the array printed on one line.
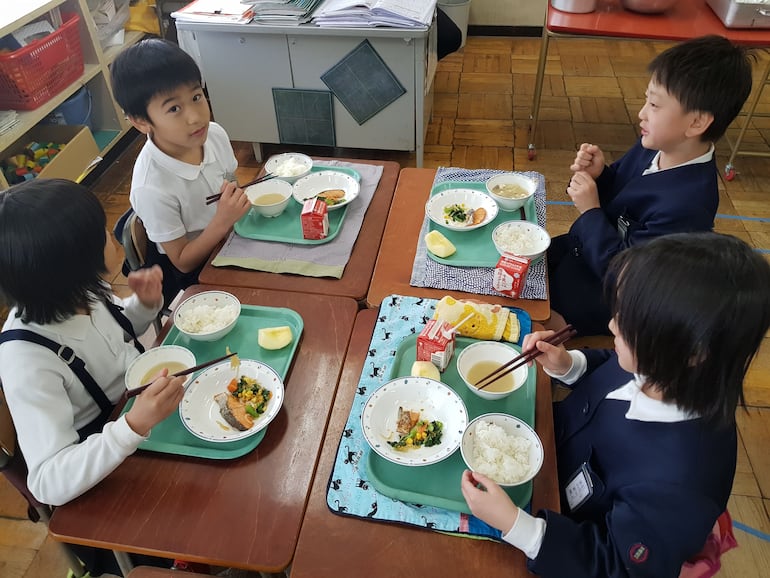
[[34, 74]]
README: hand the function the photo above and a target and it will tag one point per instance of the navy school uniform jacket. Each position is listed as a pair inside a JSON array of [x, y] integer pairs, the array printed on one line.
[[678, 200], [658, 487]]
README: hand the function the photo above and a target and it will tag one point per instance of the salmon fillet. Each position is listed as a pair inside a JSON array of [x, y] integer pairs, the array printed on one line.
[[233, 411]]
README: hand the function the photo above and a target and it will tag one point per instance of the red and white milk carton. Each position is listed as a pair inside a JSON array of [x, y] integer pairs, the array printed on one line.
[[436, 343], [510, 273], [315, 219]]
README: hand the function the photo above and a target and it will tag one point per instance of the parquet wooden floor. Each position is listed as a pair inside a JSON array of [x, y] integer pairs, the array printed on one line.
[[591, 93]]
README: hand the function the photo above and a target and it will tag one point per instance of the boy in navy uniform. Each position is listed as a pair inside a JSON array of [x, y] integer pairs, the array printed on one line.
[[666, 183]]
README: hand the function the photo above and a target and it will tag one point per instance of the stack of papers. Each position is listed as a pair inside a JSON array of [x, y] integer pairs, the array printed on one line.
[[283, 12], [8, 119], [224, 11], [363, 13]]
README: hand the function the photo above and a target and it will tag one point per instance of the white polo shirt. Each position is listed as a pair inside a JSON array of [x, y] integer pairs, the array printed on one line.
[[170, 195]]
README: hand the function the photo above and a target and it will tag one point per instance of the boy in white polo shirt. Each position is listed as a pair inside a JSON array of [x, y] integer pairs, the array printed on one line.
[[186, 158]]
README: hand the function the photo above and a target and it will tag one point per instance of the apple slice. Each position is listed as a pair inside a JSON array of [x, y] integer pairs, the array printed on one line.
[[274, 337], [425, 369], [439, 245]]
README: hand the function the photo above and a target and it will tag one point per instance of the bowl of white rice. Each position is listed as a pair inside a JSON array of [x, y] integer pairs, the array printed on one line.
[[207, 316], [503, 448], [521, 238], [289, 167]]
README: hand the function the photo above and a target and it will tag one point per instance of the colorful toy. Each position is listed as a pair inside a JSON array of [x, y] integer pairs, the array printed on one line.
[[28, 164]]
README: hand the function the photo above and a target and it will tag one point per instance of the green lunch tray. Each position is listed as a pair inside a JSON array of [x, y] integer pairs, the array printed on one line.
[[170, 436], [475, 248], [439, 484], [287, 227]]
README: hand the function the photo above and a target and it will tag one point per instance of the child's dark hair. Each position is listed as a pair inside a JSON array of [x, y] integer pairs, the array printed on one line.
[[707, 74], [693, 308], [148, 68], [52, 237]]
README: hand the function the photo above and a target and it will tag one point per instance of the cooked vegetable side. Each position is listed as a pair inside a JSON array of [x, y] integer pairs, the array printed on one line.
[[459, 213], [244, 401], [416, 432]]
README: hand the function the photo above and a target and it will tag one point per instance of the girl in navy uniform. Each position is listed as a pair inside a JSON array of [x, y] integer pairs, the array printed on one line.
[[646, 441]]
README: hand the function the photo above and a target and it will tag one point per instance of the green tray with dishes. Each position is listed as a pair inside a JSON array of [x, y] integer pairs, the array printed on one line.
[[170, 436], [287, 227], [475, 248], [439, 484]]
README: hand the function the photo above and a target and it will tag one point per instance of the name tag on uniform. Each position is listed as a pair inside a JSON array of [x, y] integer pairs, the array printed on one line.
[[579, 488], [623, 225]]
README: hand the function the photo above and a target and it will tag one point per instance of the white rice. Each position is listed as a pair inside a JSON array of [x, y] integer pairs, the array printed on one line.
[[206, 318], [501, 456], [518, 241], [290, 168]]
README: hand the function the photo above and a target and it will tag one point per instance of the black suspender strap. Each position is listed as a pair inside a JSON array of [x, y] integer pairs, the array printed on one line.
[[67, 355], [117, 312]]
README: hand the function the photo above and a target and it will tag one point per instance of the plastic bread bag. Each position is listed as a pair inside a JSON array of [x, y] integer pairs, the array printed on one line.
[[486, 321]]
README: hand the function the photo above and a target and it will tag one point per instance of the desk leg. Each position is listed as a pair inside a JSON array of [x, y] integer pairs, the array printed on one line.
[[257, 148], [124, 562], [729, 168], [534, 113]]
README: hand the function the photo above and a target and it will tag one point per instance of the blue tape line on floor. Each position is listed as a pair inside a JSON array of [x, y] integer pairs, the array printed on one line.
[[749, 530], [719, 216]]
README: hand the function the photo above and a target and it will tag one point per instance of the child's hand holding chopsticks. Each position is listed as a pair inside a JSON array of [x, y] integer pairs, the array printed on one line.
[[555, 359]]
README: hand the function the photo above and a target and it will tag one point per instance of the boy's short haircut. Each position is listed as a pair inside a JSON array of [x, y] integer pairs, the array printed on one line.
[[148, 68], [694, 308], [52, 238], [707, 74]]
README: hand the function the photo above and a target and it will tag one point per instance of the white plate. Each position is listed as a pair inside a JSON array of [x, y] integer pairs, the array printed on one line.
[[200, 413], [311, 185], [434, 401], [434, 208]]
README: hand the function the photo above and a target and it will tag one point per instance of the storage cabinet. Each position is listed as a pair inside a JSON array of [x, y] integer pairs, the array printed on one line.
[[106, 116], [242, 63]]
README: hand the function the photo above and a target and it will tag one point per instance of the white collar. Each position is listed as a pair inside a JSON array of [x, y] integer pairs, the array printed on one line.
[[655, 163], [182, 169], [644, 408]]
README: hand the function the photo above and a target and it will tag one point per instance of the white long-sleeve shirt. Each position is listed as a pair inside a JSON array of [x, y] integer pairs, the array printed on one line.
[[49, 403]]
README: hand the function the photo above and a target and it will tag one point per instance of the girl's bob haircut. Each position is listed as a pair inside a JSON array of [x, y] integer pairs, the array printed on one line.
[[52, 237], [694, 308]]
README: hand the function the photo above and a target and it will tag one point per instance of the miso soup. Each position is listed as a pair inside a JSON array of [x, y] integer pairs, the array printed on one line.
[[172, 366], [510, 191], [481, 369], [268, 199]]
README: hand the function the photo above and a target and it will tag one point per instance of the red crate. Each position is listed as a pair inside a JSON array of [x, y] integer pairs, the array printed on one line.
[[34, 74]]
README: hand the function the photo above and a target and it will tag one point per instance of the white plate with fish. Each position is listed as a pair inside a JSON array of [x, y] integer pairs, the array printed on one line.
[[408, 406], [337, 189], [201, 410], [461, 209]]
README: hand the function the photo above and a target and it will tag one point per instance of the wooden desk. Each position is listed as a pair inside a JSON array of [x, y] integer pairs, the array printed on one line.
[[245, 512], [151, 572], [686, 19], [354, 282], [399, 246], [334, 546]]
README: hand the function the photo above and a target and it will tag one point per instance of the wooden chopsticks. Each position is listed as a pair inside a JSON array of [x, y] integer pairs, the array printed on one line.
[[267, 177], [557, 338], [137, 390]]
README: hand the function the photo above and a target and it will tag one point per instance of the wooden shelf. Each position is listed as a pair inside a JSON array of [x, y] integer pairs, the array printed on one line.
[[108, 120]]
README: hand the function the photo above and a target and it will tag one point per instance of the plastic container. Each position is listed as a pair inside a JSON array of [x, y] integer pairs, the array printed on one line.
[[459, 12], [34, 74], [575, 6], [75, 110]]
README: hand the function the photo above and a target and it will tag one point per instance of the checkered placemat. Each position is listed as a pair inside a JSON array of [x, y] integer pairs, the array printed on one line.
[[428, 273]]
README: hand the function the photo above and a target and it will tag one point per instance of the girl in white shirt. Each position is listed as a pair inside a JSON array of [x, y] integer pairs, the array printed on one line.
[[53, 246]]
